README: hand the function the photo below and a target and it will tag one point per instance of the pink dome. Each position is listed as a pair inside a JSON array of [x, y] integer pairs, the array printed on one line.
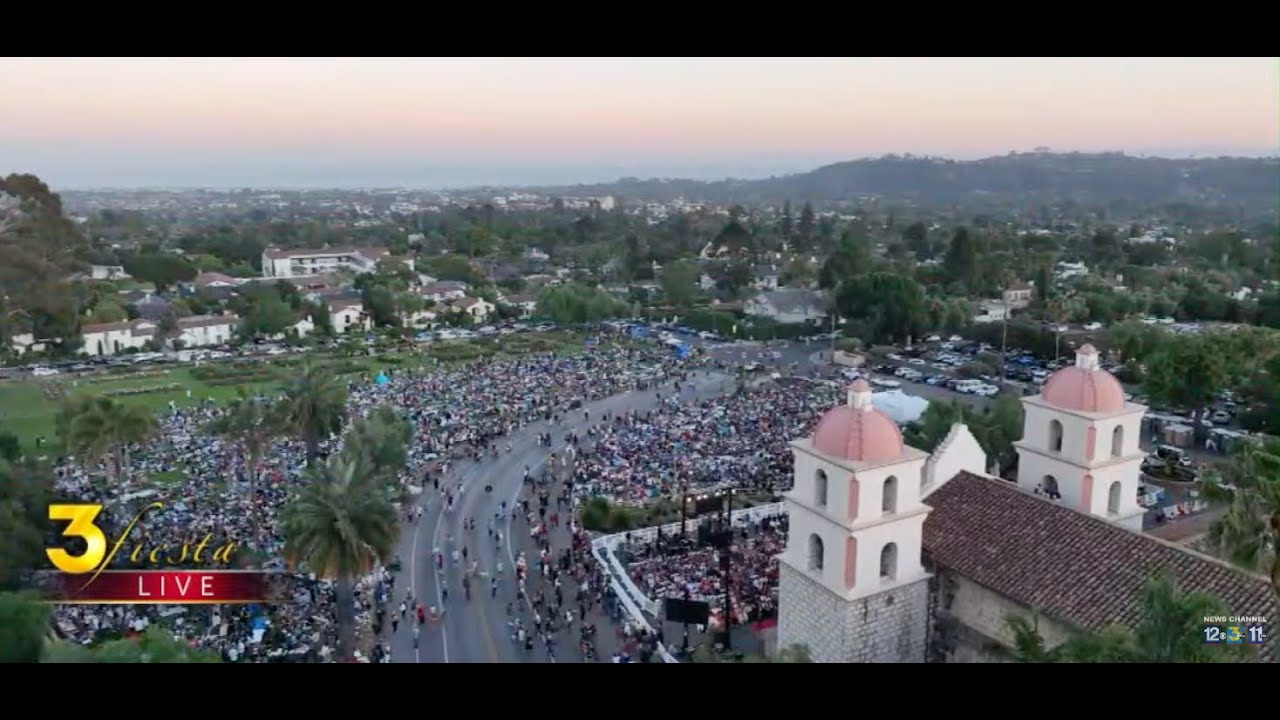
[[1084, 386], [857, 431]]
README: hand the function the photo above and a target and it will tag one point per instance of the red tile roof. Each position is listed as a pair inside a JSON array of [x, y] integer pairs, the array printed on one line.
[[1068, 565]]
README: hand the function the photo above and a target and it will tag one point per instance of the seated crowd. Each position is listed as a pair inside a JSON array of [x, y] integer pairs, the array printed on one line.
[[668, 568], [204, 490], [737, 440]]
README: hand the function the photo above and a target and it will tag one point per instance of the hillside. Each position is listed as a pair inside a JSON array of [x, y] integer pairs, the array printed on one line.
[[1016, 178]]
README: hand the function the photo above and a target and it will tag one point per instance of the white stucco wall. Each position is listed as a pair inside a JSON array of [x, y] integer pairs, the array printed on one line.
[[959, 451]]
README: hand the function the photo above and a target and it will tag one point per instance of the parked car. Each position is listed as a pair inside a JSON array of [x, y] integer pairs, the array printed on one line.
[[885, 383], [1093, 326], [44, 372]]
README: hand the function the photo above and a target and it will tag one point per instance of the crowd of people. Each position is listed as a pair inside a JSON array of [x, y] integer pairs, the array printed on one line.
[[669, 567], [200, 480], [737, 440]]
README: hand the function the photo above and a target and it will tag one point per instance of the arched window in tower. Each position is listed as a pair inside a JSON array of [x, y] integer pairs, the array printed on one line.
[[889, 562], [820, 488], [1055, 436], [889, 500], [1113, 498], [1049, 486], [815, 553], [1117, 441]]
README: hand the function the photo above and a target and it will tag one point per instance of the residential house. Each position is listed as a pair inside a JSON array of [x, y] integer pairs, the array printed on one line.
[[112, 338], [765, 278], [208, 280], [149, 306], [348, 315], [527, 304], [478, 309], [788, 305], [277, 263], [108, 272], [1018, 295], [443, 291], [992, 311], [1066, 270], [424, 318], [193, 331], [23, 343], [205, 330]]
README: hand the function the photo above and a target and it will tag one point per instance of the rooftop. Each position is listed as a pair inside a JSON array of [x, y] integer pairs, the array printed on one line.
[[1068, 565]]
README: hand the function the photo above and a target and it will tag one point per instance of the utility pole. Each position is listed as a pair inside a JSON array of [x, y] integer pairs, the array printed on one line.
[[1004, 336], [726, 554]]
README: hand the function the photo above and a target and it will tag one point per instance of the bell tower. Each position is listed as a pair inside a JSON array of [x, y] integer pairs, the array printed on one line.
[[852, 587], [1080, 443]]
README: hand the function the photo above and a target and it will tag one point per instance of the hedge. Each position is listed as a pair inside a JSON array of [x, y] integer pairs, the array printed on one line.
[[121, 392]]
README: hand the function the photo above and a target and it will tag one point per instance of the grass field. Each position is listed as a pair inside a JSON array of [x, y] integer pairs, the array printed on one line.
[[28, 406]]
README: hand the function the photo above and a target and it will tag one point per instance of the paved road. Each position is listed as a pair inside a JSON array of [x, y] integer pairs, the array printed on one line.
[[477, 631]]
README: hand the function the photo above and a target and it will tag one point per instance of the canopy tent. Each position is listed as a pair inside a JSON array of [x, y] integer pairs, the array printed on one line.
[[381, 379]]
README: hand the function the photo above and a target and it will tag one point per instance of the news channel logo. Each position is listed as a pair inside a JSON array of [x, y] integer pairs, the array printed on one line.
[[1234, 631]]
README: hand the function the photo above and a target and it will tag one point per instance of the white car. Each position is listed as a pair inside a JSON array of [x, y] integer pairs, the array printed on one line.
[[44, 372], [882, 382], [1093, 326], [488, 330], [932, 338], [987, 391]]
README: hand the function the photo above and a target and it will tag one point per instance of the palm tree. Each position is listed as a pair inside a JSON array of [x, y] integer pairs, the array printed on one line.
[[341, 526], [248, 421], [101, 428], [313, 408], [1249, 533], [1169, 632], [378, 445]]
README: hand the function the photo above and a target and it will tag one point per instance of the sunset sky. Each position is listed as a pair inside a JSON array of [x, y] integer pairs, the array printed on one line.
[[82, 123]]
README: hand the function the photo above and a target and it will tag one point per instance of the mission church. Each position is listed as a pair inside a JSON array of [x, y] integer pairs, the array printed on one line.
[[896, 555]]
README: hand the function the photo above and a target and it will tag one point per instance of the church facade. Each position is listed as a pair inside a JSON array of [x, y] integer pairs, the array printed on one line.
[[895, 555]]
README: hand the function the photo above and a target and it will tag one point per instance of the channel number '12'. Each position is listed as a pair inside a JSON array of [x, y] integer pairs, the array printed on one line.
[[80, 519]]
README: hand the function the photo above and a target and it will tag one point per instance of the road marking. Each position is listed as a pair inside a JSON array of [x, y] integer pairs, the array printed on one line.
[[435, 543], [413, 577]]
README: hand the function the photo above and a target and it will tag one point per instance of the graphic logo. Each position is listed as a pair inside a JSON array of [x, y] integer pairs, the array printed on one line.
[[145, 583], [1233, 630]]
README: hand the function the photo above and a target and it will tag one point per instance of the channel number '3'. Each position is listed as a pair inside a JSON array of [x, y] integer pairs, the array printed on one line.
[[80, 519]]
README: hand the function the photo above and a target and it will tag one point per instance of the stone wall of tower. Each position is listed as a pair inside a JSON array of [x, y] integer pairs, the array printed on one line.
[[891, 626]]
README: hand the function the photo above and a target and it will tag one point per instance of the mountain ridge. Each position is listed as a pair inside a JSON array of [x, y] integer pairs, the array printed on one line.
[[1016, 177]]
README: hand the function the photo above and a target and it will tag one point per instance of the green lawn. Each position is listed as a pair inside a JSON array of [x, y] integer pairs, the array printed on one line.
[[27, 410]]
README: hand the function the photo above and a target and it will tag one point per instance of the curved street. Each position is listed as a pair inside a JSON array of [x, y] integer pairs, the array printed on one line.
[[477, 630]]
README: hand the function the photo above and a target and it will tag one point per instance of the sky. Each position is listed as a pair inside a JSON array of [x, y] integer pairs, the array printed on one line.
[[380, 122]]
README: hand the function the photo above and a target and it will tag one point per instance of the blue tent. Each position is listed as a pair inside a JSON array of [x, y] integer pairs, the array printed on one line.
[[381, 379], [682, 350], [638, 331]]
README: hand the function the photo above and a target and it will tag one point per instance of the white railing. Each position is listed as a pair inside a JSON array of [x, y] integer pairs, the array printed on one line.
[[637, 604]]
